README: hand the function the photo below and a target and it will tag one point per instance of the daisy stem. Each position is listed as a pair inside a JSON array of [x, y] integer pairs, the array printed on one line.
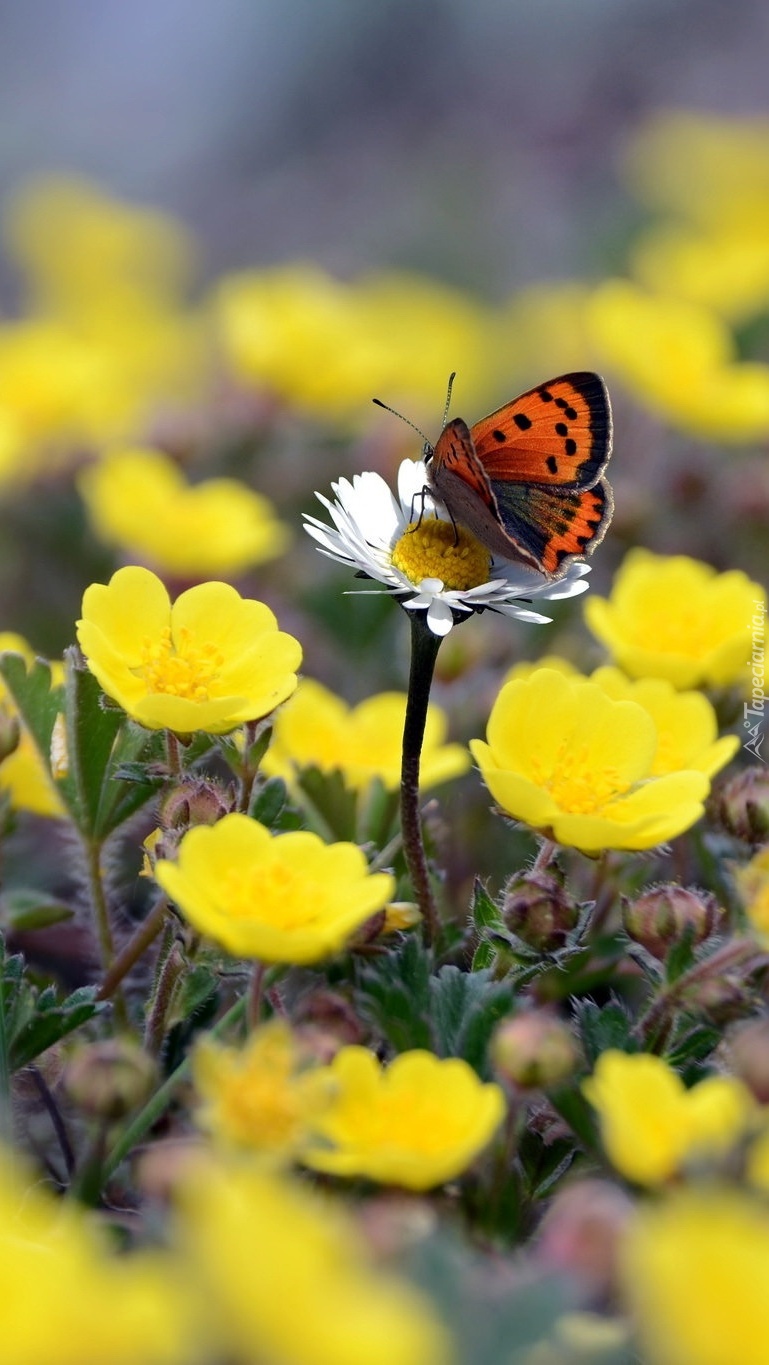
[[424, 652]]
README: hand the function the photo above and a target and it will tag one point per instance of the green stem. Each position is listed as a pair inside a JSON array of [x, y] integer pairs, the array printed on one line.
[[739, 953], [93, 851], [169, 972], [256, 994], [154, 1109], [424, 652], [146, 933]]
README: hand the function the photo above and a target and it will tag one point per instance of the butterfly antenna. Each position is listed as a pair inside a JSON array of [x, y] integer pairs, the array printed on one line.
[[452, 377], [407, 420]]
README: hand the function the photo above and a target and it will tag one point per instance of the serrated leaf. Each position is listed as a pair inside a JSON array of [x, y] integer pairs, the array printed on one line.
[[50, 1021], [603, 1027], [484, 958], [681, 956], [25, 908], [268, 802], [465, 1008], [395, 994], [485, 913]]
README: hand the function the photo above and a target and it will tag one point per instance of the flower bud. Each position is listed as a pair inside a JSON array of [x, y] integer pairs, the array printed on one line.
[[581, 1234], [749, 1055], [538, 910], [662, 916], [110, 1079], [534, 1050], [722, 998], [741, 806], [193, 801]]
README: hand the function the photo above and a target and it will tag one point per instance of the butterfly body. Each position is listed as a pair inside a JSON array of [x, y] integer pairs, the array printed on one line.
[[527, 480]]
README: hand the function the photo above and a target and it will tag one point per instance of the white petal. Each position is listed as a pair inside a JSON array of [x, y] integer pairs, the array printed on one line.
[[439, 617]]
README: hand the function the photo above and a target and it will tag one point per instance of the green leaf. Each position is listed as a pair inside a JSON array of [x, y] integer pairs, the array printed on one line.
[[485, 912], [33, 1019], [268, 802], [26, 908], [484, 958], [681, 956], [604, 1027], [543, 1163], [465, 1008], [51, 1020], [99, 741], [570, 1103], [395, 994]]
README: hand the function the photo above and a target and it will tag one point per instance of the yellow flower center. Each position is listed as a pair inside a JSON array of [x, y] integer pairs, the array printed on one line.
[[431, 548], [180, 668], [276, 894], [574, 784]]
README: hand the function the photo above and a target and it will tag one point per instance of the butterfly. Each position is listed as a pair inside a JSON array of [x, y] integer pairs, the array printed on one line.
[[527, 480]]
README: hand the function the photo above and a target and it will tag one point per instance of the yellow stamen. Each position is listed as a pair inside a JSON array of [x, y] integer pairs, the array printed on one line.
[[435, 549], [179, 667]]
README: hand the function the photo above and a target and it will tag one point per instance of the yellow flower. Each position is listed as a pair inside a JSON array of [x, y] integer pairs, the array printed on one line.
[[753, 883], [326, 346], [651, 1125], [278, 898], [677, 618], [526, 667], [259, 1097], [695, 1269], [68, 1299], [703, 167], [318, 729], [680, 360], [73, 242], [108, 340], [577, 765], [686, 723], [25, 774], [210, 661], [283, 1276], [138, 499], [418, 1122], [726, 269]]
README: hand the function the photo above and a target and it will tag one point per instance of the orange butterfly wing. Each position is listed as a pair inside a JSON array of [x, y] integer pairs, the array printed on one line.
[[558, 433], [526, 480]]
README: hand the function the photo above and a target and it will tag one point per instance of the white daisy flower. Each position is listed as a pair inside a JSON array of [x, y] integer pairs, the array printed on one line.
[[428, 562]]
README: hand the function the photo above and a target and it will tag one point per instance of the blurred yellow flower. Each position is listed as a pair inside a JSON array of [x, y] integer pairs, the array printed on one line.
[[680, 360], [686, 723], [68, 1298], [73, 242], [108, 341], [138, 499], [317, 729], [417, 1123], [278, 898], [726, 269], [651, 1125], [25, 774], [282, 1275], [677, 618], [694, 1270], [753, 883], [702, 167], [575, 764], [261, 1096], [328, 347], [210, 661]]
